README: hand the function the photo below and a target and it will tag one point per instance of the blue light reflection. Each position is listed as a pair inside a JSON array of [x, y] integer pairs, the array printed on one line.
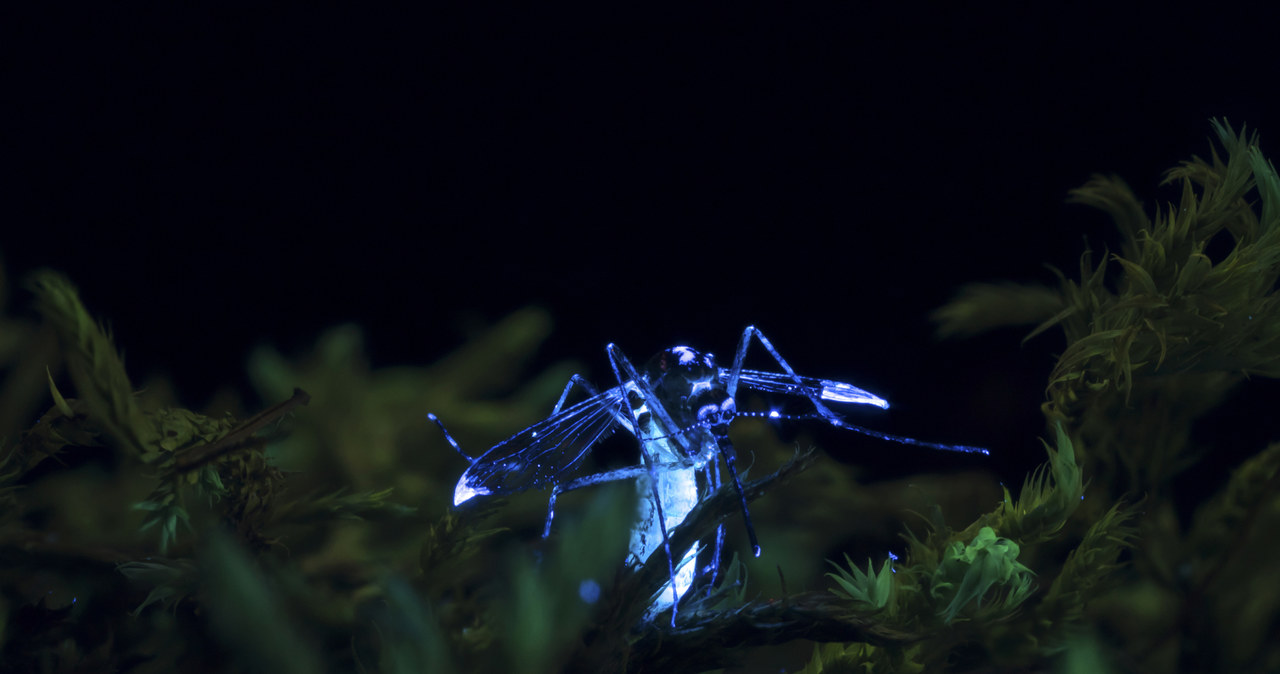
[[589, 590]]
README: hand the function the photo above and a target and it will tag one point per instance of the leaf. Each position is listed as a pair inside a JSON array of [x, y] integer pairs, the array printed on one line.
[[1193, 273], [58, 400], [92, 361], [167, 515], [1138, 276], [1088, 566]]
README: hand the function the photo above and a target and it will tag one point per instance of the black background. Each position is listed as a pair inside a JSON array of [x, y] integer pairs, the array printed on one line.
[[215, 179]]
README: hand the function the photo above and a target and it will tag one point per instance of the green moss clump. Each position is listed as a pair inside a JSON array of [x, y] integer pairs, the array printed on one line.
[[1157, 335]]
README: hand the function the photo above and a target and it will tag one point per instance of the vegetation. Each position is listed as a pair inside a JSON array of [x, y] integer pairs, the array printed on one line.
[[137, 535]]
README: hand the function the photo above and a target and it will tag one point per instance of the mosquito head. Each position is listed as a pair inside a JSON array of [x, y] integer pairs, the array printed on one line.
[[681, 373], [681, 364]]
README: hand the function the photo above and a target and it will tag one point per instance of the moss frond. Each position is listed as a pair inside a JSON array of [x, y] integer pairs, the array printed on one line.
[[861, 658], [1089, 566], [869, 590], [982, 307], [1044, 506], [95, 366], [1174, 308], [1249, 488], [1166, 306]]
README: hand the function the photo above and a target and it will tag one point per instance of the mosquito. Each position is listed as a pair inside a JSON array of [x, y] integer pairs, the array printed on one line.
[[679, 407]]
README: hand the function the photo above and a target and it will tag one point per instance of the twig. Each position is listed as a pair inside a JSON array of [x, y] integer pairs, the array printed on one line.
[[712, 640], [239, 436], [45, 546]]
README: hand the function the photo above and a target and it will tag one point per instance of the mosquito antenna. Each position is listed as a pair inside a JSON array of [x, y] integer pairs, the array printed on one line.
[[904, 440], [900, 439], [775, 415], [454, 443]]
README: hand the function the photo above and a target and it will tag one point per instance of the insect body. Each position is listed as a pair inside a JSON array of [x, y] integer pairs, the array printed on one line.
[[679, 406]]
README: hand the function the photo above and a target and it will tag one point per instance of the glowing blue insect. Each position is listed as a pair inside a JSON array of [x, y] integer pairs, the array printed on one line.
[[679, 407]]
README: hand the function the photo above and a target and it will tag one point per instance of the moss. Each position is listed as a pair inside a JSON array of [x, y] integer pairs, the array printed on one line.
[[1157, 335], [141, 535]]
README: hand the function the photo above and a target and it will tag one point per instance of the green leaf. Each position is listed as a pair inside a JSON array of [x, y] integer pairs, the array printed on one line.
[[166, 514], [1138, 276], [1193, 273], [57, 396]]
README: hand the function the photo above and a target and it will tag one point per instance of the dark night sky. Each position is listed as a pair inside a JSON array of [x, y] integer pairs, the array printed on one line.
[[227, 178]]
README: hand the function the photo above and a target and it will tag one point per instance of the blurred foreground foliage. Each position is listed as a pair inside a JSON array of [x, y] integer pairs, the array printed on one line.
[[138, 535]]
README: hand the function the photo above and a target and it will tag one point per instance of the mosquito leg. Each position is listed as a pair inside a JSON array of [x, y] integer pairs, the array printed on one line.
[[713, 567], [575, 380], [551, 511], [630, 473], [736, 372], [726, 450], [626, 372], [650, 405], [452, 442]]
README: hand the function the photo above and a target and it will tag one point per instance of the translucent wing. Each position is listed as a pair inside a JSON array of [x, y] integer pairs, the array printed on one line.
[[823, 389], [539, 455]]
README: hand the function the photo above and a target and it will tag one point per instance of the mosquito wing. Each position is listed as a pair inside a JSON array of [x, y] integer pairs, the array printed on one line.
[[823, 389], [541, 454]]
